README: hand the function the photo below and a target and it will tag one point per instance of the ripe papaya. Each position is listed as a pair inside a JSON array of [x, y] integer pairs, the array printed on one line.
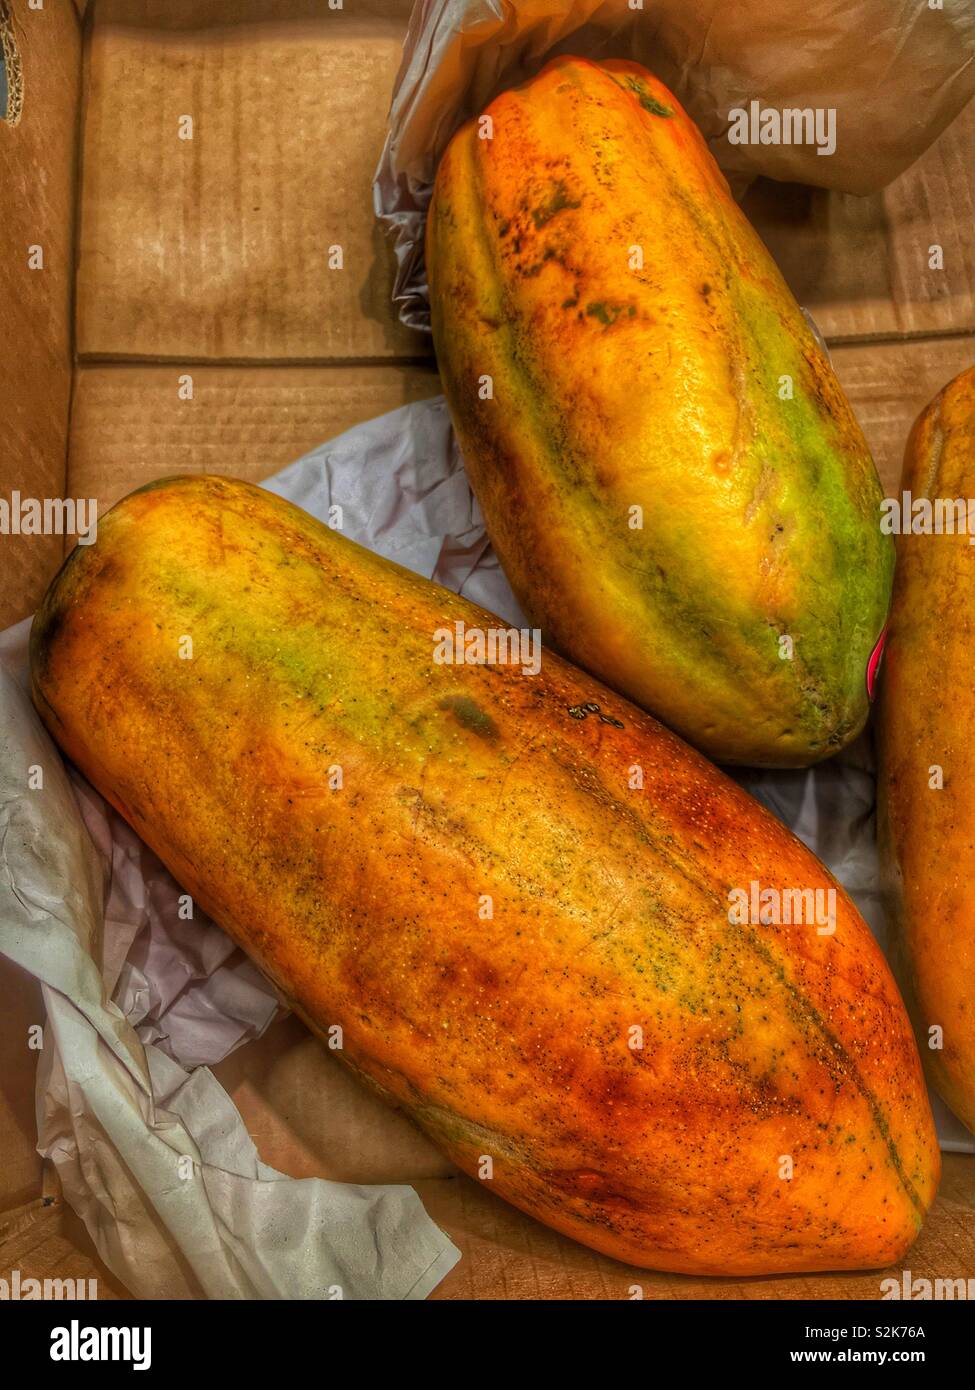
[[670, 473], [536, 957], [926, 722]]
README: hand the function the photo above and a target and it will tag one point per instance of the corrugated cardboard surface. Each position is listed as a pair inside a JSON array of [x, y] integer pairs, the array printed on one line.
[[217, 248], [37, 190], [129, 424], [45, 1240], [861, 266], [311, 1118], [890, 383], [37, 179], [209, 254]]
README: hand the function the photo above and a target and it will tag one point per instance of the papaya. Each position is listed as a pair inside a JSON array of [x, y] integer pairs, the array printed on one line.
[[546, 964], [669, 471], [925, 730]]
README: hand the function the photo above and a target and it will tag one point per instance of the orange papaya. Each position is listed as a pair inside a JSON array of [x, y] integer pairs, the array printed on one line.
[[925, 727], [670, 473], [515, 894]]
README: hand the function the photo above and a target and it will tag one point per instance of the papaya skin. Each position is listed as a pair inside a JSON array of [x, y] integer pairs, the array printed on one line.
[[926, 720], [509, 1036], [657, 386]]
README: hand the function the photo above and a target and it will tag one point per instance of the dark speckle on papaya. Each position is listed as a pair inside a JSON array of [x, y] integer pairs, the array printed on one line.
[[469, 713]]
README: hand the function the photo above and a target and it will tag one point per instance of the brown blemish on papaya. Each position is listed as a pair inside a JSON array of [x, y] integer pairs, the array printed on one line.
[[468, 713], [486, 976]]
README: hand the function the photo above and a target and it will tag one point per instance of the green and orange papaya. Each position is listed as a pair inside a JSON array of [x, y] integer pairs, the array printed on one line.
[[528, 947], [670, 473], [926, 742]]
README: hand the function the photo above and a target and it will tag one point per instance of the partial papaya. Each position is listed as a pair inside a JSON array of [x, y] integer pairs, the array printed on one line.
[[926, 741], [670, 473]]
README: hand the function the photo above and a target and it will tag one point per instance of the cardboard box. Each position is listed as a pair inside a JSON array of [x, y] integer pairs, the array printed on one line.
[[163, 257]]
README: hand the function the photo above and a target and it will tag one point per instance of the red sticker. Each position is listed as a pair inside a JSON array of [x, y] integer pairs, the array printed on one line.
[[873, 665]]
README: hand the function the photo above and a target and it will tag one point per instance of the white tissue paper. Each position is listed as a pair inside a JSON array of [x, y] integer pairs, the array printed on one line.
[[140, 1003]]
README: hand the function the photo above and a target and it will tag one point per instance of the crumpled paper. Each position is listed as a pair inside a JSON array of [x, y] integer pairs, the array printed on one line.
[[140, 1003], [896, 72]]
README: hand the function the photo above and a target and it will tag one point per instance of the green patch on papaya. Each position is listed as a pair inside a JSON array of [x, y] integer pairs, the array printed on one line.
[[557, 202], [648, 102], [469, 713], [607, 314]]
